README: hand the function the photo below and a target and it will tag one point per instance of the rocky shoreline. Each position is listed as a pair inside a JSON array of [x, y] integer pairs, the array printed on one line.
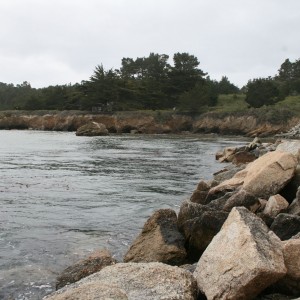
[[236, 237], [144, 122]]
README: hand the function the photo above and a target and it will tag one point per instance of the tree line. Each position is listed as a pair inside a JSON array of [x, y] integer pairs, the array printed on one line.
[[151, 83]]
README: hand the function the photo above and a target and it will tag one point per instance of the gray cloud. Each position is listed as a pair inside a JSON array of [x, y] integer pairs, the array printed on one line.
[[60, 41]]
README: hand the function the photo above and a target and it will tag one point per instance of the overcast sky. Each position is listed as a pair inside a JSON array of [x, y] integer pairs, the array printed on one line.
[[49, 42]]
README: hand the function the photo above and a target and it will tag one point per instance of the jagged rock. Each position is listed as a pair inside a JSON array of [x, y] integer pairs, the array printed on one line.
[[227, 173], [294, 207], [189, 267], [227, 154], [291, 146], [159, 241], [136, 281], [219, 203], [242, 259], [254, 144], [275, 205], [242, 198], [202, 231], [188, 211], [263, 203], [285, 226], [220, 191], [243, 157], [92, 129], [290, 283], [94, 263], [199, 195], [290, 190], [264, 177]]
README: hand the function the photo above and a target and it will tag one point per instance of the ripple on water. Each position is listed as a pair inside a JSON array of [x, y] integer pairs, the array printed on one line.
[[62, 197]]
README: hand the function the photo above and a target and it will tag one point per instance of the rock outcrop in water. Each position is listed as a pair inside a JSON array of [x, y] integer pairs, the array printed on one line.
[[241, 229]]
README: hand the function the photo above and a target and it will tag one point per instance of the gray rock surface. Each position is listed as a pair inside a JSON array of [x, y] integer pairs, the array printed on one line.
[[159, 241], [136, 281], [242, 260]]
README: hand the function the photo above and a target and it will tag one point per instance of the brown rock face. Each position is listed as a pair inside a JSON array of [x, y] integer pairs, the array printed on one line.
[[264, 177], [94, 263], [242, 259], [159, 241], [275, 205]]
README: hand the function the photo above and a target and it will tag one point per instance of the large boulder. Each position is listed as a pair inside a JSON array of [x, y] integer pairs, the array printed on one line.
[[94, 263], [264, 177], [92, 129], [159, 241], [136, 281], [242, 260], [285, 226]]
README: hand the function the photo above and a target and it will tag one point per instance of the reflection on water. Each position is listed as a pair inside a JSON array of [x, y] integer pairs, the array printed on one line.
[[64, 196]]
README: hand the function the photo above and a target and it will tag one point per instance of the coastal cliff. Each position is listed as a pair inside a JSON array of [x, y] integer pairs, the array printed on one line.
[[144, 122]]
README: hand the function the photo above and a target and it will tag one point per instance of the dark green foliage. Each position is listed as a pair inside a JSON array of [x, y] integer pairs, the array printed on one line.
[[225, 87], [262, 91], [202, 95]]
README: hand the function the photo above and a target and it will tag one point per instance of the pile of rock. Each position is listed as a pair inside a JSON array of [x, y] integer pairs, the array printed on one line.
[[293, 133], [236, 237]]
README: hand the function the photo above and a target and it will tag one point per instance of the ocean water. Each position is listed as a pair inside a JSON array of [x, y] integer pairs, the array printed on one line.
[[63, 197]]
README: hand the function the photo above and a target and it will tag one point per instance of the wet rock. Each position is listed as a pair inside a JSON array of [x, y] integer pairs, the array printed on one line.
[[94, 263], [92, 129], [242, 260], [147, 281], [285, 226], [159, 241], [275, 205]]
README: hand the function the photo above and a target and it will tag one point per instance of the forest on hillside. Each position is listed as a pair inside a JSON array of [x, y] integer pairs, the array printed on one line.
[[152, 83]]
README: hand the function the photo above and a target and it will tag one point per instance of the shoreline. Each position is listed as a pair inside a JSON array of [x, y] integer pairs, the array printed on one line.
[[152, 122]]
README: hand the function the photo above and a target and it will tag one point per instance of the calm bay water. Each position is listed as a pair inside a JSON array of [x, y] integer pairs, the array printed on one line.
[[62, 197]]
